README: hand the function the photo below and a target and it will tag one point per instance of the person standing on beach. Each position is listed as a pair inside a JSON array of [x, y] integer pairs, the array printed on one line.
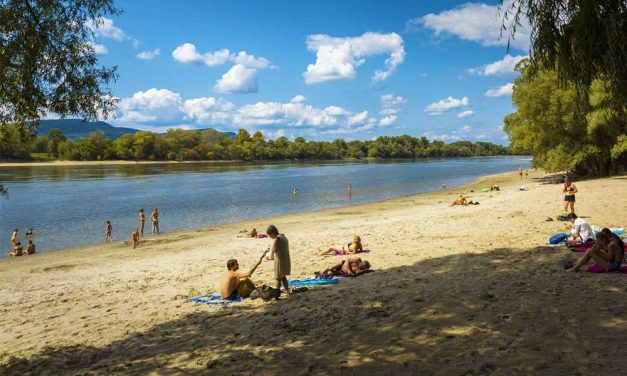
[[280, 251], [29, 234], [350, 191], [14, 237], [569, 191], [154, 217], [108, 230], [142, 219], [135, 238], [520, 172]]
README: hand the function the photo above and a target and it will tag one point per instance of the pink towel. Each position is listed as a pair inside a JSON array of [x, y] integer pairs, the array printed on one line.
[[582, 247], [596, 268], [262, 236]]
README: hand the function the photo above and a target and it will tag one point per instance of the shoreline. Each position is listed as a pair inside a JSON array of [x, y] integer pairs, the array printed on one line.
[[456, 290], [247, 223]]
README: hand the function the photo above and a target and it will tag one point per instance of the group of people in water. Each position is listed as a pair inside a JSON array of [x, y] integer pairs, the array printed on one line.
[[236, 284], [18, 249]]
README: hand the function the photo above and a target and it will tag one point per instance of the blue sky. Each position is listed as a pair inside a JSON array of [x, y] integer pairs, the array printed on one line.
[[322, 70]]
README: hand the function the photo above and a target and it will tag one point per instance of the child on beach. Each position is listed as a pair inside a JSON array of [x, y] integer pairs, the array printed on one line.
[[349, 249], [235, 285], [108, 230], [135, 238], [280, 251]]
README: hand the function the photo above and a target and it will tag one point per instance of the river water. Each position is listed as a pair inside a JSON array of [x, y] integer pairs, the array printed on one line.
[[68, 206]]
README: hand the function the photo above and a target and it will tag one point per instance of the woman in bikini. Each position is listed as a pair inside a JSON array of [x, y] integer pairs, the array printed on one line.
[[606, 253], [569, 191], [349, 249]]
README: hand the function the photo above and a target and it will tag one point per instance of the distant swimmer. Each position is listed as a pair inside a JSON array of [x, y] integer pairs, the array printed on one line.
[[17, 250], [108, 230], [29, 234], [30, 248], [154, 217], [142, 219], [135, 238], [14, 237], [295, 191], [350, 191], [443, 186]]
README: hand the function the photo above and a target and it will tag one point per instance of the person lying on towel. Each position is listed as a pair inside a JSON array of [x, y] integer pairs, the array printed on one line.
[[606, 253], [349, 249], [237, 284], [353, 266]]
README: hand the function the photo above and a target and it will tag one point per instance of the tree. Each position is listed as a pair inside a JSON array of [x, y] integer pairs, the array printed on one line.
[[584, 40]]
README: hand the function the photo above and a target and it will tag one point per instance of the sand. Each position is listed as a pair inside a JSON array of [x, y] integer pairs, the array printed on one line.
[[458, 291]]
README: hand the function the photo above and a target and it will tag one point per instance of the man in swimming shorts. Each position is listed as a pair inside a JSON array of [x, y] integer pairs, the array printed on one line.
[[154, 217], [353, 266], [236, 284]]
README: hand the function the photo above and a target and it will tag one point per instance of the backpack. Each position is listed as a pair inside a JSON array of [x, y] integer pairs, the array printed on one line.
[[558, 238], [268, 293]]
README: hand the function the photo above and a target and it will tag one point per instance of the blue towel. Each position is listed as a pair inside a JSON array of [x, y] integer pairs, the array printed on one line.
[[214, 300], [313, 281]]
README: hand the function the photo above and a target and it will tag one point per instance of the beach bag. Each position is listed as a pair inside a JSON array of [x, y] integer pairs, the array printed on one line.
[[562, 217], [268, 293], [558, 238]]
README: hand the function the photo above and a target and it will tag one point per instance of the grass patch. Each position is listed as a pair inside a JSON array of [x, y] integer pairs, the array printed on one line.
[[42, 157]]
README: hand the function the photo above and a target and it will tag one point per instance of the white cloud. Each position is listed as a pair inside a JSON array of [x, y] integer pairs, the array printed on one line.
[[99, 49], [465, 114], [358, 118], [441, 137], [387, 120], [238, 79], [187, 53], [336, 111], [476, 22], [337, 58], [103, 27], [298, 99], [148, 55], [390, 104], [151, 106], [450, 103], [503, 91], [208, 110], [500, 67]]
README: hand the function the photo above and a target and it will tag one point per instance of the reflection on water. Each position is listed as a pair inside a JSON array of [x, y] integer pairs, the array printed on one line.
[[69, 205]]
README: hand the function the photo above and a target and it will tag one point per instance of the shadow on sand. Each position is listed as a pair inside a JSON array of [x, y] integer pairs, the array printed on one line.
[[504, 312]]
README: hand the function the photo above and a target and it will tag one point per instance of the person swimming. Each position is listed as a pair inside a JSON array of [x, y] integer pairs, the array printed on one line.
[[349, 249]]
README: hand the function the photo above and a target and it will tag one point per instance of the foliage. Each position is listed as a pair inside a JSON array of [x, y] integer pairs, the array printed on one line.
[[584, 40], [561, 132], [48, 62]]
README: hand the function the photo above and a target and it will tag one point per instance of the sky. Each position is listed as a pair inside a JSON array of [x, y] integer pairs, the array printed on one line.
[[320, 69]]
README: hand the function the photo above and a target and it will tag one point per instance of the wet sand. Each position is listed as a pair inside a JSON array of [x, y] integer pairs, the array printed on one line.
[[457, 291]]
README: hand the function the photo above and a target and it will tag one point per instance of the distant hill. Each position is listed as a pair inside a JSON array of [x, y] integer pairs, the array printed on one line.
[[77, 128], [74, 129]]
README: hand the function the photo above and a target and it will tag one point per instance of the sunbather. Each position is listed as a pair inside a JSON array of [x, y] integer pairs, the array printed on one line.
[[605, 253], [349, 249], [234, 284], [463, 201], [352, 266], [246, 234]]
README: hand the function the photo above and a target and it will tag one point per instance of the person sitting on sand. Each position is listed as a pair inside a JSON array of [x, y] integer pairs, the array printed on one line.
[[605, 253], [236, 284], [14, 237], [246, 234], [135, 238], [17, 250], [614, 238], [494, 187], [353, 266], [29, 234], [581, 232], [30, 248], [349, 249]]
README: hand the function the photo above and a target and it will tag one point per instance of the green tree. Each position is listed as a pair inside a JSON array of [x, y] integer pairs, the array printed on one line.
[[54, 137]]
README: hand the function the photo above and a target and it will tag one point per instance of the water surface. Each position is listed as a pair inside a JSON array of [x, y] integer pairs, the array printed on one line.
[[68, 205]]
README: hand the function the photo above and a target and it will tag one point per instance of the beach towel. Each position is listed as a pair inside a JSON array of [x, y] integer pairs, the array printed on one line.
[[617, 230], [582, 247], [313, 281], [596, 268], [339, 253], [558, 238], [218, 300], [260, 236], [345, 275]]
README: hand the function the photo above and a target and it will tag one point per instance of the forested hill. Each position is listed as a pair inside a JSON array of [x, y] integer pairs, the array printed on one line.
[[75, 129]]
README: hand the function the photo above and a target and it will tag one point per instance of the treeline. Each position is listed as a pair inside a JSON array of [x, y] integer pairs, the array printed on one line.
[[565, 128], [194, 145]]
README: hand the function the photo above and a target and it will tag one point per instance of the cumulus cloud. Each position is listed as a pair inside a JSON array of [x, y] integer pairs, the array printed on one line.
[[433, 136], [465, 114], [446, 104], [503, 91], [99, 49], [238, 79], [103, 27], [387, 120], [337, 58], [358, 118], [148, 55], [155, 106], [475, 22], [500, 67], [298, 99], [187, 53]]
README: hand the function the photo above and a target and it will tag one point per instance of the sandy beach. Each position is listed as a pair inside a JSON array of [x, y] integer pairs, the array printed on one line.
[[457, 291]]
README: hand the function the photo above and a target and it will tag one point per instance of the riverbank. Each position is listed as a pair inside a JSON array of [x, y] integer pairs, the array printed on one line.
[[458, 290]]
